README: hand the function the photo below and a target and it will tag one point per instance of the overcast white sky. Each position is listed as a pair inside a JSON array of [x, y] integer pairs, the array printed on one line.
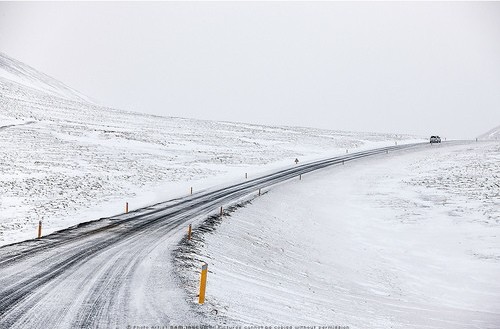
[[422, 68]]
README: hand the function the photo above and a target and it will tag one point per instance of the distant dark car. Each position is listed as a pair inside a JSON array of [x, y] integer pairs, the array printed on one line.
[[435, 139]]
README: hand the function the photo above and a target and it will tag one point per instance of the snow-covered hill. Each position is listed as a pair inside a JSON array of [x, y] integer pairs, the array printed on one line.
[[493, 134], [64, 160], [15, 72]]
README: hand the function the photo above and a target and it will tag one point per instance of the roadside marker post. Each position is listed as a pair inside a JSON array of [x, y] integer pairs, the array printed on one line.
[[39, 229], [346, 151], [191, 190], [126, 207], [259, 192], [189, 232], [300, 177], [246, 175], [221, 211], [203, 283]]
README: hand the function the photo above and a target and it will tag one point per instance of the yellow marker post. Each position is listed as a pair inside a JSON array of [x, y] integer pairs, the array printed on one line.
[[203, 283], [189, 232], [126, 207], [39, 229]]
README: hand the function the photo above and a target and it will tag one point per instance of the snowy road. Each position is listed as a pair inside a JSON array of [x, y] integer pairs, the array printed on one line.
[[117, 271]]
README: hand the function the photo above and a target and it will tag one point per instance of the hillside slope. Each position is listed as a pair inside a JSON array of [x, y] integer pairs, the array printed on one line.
[[64, 160], [18, 73], [493, 134]]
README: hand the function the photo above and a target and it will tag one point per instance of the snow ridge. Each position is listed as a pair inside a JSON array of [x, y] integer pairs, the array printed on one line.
[[493, 134], [19, 73]]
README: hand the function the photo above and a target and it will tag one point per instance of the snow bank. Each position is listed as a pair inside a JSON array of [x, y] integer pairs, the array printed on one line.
[[405, 241]]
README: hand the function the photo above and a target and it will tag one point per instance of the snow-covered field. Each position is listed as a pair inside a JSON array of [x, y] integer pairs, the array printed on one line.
[[408, 240], [65, 160]]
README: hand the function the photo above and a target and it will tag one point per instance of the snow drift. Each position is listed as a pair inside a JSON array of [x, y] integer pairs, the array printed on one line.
[[403, 241]]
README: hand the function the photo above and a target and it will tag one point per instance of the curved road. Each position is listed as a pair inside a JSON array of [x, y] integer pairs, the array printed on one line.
[[116, 271]]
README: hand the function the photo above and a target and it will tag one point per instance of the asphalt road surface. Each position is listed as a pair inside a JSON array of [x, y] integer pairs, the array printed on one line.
[[117, 271]]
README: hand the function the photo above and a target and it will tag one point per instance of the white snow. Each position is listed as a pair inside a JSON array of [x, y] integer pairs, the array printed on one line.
[[493, 134], [20, 74], [6, 122], [65, 161], [407, 240]]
